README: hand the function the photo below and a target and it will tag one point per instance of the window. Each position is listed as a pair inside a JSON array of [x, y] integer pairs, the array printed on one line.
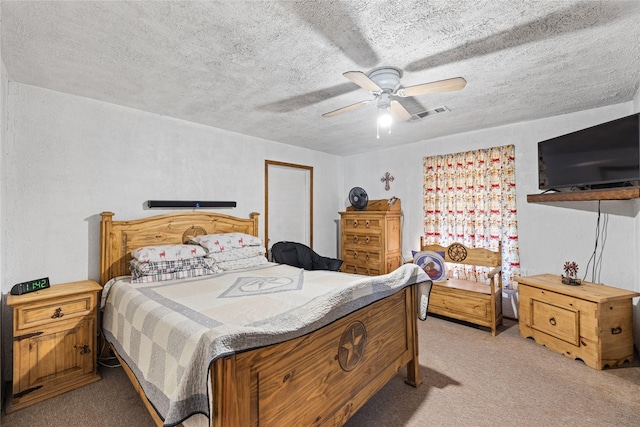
[[470, 198]]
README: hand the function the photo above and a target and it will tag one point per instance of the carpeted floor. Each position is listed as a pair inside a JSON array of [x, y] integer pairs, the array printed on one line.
[[469, 379]]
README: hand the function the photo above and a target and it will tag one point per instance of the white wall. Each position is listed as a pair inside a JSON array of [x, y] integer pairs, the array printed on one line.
[[3, 103], [636, 301], [549, 235], [67, 158]]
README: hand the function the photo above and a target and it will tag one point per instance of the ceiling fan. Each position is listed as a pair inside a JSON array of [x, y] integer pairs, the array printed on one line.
[[384, 85]]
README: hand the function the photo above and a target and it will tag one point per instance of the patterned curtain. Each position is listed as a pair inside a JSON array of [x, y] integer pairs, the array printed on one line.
[[470, 198]]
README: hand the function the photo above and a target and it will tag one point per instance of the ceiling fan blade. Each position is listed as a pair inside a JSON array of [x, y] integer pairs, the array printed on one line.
[[455, 83], [362, 80], [347, 108], [398, 112]]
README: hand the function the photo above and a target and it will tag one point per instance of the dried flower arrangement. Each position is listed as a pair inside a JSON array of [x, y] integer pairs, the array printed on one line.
[[571, 273]]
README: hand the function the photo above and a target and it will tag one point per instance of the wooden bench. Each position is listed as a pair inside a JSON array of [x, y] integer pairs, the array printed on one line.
[[467, 300]]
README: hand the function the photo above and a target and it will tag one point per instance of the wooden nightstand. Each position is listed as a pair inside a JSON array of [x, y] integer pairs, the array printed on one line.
[[54, 341]]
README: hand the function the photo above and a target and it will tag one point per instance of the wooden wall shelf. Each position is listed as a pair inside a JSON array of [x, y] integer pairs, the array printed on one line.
[[625, 193]]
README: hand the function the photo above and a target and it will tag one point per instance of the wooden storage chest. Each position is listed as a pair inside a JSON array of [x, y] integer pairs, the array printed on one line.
[[590, 322]]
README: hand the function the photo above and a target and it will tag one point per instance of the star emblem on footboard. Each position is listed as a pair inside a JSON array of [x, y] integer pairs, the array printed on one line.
[[352, 346]]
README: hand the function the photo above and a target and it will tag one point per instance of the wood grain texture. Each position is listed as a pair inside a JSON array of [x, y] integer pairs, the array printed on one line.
[[297, 382], [119, 238], [590, 322], [371, 238], [54, 341], [626, 193], [466, 300], [301, 382]]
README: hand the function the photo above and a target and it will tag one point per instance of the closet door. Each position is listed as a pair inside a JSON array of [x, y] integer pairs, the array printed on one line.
[[288, 203]]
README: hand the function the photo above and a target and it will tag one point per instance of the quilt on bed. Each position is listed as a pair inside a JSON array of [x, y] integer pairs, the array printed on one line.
[[168, 333]]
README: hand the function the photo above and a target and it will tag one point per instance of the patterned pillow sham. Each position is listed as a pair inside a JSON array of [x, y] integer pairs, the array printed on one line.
[[167, 253], [160, 277], [152, 271], [226, 241], [235, 254], [238, 264]]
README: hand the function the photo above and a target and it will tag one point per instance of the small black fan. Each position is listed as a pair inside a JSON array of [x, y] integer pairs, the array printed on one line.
[[358, 198]]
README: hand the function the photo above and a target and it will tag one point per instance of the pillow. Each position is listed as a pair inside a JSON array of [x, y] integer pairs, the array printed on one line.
[[184, 274], [141, 268], [152, 271], [239, 253], [242, 263], [226, 241], [432, 263], [167, 253]]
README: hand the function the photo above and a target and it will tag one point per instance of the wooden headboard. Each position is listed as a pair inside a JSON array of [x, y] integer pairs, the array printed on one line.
[[119, 238]]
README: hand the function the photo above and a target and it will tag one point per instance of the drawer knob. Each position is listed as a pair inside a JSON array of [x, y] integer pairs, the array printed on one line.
[[552, 321], [355, 223], [355, 239], [617, 330], [84, 349], [58, 313], [355, 254], [367, 223], [367, 239], [367, 257]]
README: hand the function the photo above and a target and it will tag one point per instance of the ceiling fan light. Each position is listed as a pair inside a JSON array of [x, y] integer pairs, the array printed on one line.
[[384, 118]]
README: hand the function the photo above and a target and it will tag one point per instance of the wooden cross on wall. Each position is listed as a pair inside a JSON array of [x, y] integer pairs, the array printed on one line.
[[387, 178]]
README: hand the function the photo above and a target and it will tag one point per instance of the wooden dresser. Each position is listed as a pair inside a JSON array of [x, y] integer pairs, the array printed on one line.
[[54, 341], [371, 241], [591, 322]]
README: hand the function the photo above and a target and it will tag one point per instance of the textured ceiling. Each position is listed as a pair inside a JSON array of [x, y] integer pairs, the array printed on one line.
[[271, 68]]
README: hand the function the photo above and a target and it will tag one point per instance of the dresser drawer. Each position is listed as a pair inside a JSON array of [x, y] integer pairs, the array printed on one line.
[[363, 224], [361, 239], [362, 255], [360, 269], [48, 311]]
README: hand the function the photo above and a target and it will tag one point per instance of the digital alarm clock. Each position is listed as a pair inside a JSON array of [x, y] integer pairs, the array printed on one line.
[[30, 286]]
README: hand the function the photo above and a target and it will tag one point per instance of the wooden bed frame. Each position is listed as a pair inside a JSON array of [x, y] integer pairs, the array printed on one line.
[[321, 378]]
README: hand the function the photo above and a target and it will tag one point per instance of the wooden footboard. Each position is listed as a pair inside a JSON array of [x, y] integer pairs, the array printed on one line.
[[322, 378]]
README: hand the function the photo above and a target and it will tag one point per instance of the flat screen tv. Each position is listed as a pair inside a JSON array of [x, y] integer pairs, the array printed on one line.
[[602, 156]]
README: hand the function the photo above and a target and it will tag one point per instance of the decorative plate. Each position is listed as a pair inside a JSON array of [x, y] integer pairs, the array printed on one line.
[[433, 264]]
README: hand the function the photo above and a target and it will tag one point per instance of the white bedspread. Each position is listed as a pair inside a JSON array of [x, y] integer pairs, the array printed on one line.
[[168, 333]]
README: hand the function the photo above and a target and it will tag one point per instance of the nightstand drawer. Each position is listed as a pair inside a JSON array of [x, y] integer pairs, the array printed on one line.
[[57, 310]]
